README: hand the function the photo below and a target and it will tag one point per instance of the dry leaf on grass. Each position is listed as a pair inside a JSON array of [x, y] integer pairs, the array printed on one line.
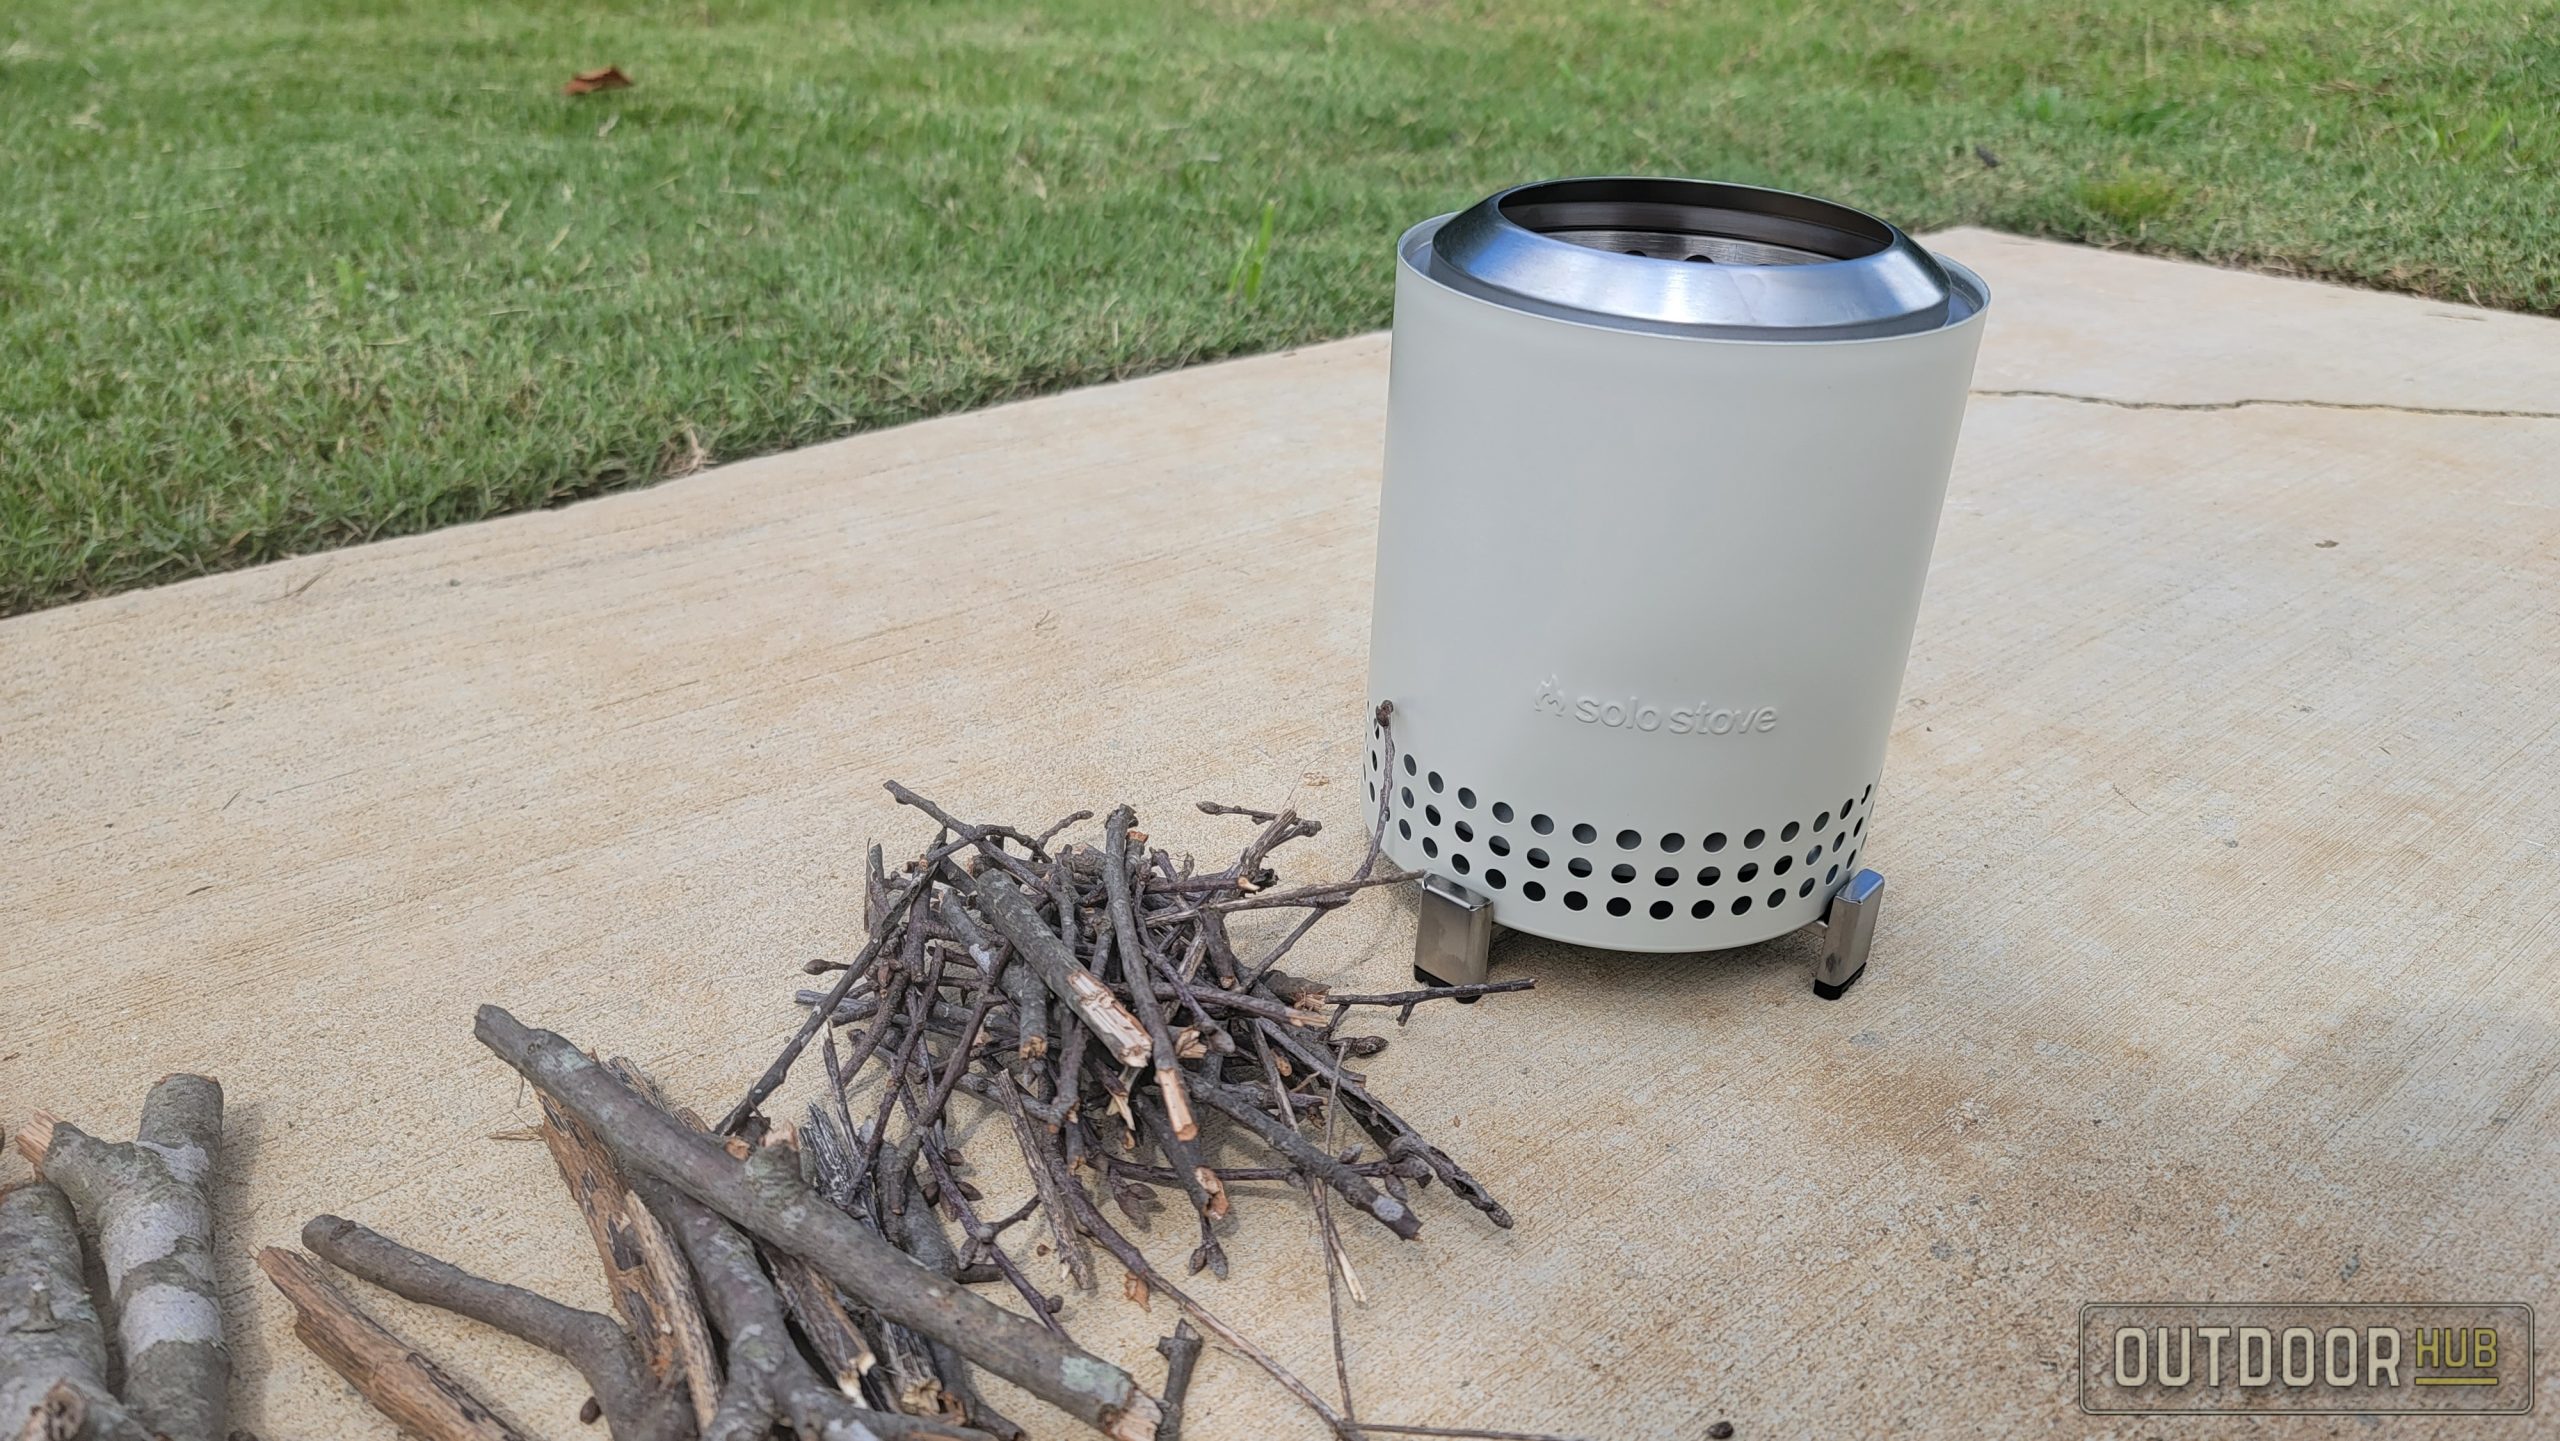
[[587, 82]]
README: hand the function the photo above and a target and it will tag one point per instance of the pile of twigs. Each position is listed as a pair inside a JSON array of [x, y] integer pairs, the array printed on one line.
[[1093, 995], [806, 1279]]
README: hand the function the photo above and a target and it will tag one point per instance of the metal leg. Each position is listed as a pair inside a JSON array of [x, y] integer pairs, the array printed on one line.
[[1453, 943], [1848, 929]]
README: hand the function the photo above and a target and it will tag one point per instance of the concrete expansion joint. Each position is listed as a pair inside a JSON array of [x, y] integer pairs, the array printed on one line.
[[2254, 402]]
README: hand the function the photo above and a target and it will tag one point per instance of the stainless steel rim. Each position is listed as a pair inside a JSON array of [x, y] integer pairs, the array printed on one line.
[[1694, 257]]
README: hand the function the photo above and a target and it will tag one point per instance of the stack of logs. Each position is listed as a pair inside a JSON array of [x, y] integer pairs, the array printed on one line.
[[146, 1200]]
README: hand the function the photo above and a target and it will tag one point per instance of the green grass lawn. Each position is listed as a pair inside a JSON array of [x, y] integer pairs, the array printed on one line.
[[279, 276]]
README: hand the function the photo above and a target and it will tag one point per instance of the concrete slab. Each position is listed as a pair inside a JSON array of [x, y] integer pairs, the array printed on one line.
[[2216, 816]]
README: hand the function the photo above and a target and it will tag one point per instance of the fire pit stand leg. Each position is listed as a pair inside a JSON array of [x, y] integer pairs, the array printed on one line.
[[1848, 930], [1453, 937]]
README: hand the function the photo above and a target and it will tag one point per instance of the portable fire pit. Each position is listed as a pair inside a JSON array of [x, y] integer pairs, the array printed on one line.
[[1664, 464]]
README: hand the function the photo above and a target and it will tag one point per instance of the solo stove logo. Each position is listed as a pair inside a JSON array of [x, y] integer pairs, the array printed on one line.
[[2306, 1358], [1638, 714]]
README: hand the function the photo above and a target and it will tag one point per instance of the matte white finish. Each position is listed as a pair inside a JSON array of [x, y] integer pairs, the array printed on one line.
[[1651, 589]]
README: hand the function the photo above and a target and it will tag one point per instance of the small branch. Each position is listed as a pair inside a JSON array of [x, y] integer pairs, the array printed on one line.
[[602, 1351], [1321, 1168], [597, 1187], [813, 1302], [1392, 1133], [1072, 1251], [1208, 1193], [696, 1364], [399, 1382], [1181, 1352], [920, 1235], [1465, 1433], [1055, 963], [1133, 963], [1415, 997], [1405, 1001]]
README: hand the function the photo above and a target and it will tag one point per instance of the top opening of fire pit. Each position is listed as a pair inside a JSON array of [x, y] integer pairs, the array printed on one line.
[[1694, 257], [1696, 221]]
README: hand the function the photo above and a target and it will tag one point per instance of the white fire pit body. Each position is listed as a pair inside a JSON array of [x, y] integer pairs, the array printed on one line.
[[1664, 463]]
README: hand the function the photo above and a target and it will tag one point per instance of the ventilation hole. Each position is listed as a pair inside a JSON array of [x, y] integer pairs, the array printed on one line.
[[1430, 847], [1822, 822], [1672, 843], [1629, 840], [1659, 910], [1434, 780], [1803, 890], [1499, 845], [1466, 798], [1750, 872], [1458, 863], [1493, 879], [1575, 900], [1618, 906], [1409, 766], [1667, 876], [1810, 857], [1408, 797], [1831, 875], [1750, 842], [1703, 909], [1465, 832], [1710, 876], [1431, 814], [1741, 904], [1578, 866], [1698, 259], [1870, 790], [1373, 790], [1405, 829], [1533, 890], [1860, 828], [1784, 865], [1622, 873], [1543, 825], [1502, 811], [1584, 832], [1789, 833], [1537, 857], [1845, 808], [1839, 840], [1777, 898], [1373, 760]]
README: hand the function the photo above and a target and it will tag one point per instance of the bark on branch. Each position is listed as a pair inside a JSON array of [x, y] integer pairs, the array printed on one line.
[[147, 1200], [770, 1382], [53, 1349], [400, 1383], [633, 1406], [1050, 958]]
